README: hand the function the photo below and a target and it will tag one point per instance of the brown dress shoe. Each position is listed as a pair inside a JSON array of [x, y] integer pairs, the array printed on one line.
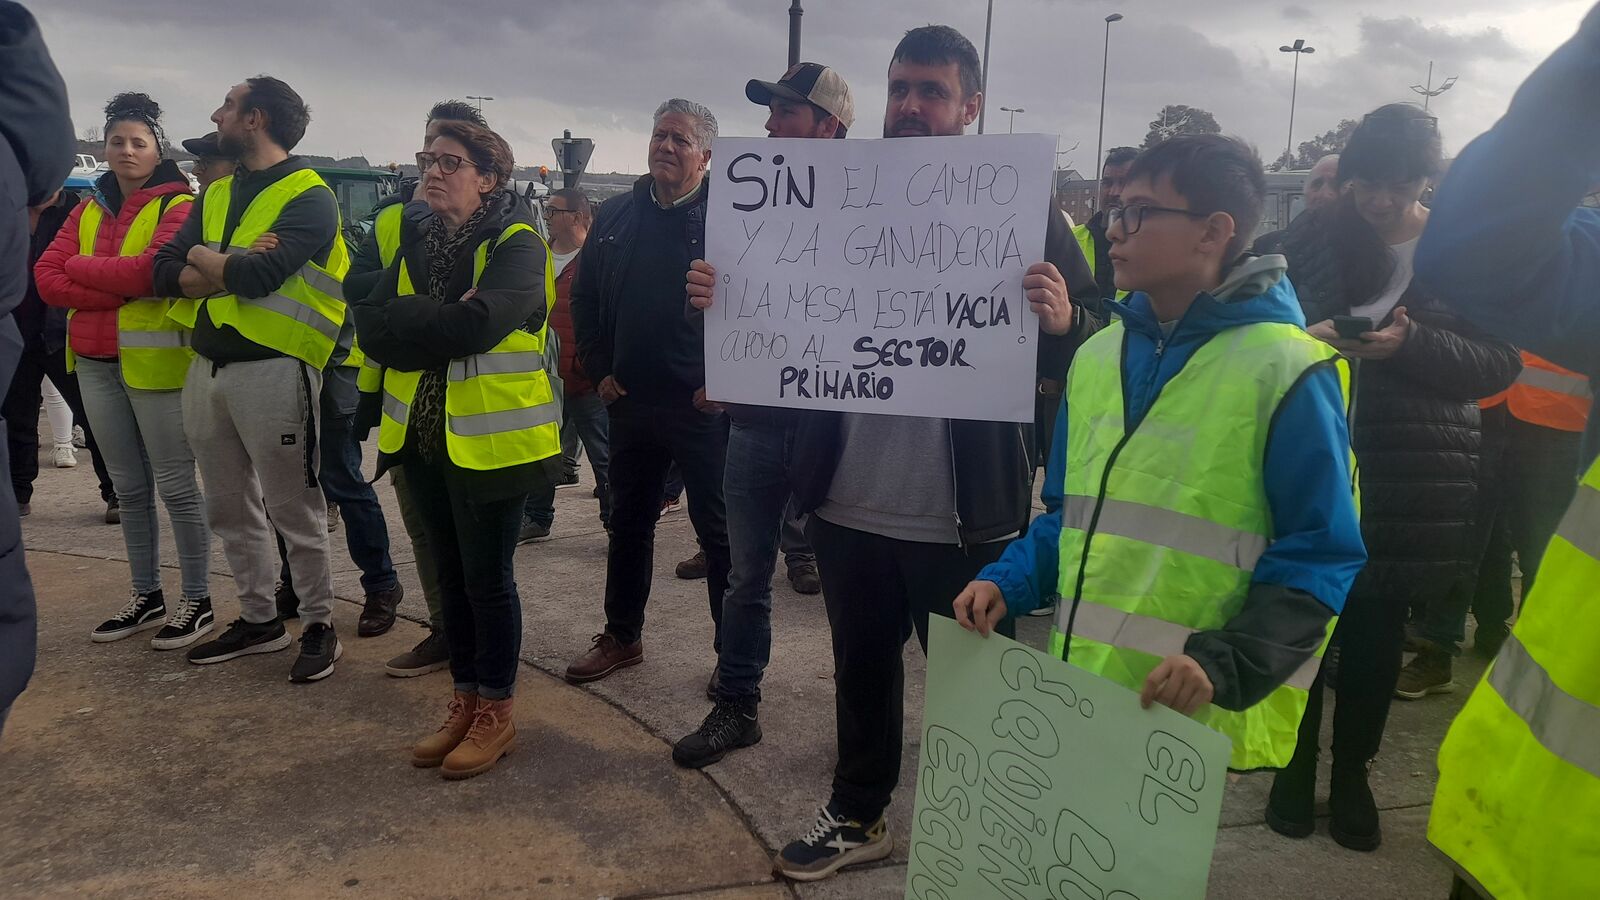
[[606, 656], [431, 750], [491, 736]]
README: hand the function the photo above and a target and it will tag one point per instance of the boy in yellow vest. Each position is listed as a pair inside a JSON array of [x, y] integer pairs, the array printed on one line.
[[1201, 527]]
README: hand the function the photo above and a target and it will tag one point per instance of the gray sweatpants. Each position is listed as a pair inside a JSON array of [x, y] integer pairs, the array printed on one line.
[[252, 428]]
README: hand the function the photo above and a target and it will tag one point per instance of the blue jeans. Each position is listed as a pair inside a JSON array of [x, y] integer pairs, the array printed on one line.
[[366, 533], [759, 510], [583, 418], [146, 452]]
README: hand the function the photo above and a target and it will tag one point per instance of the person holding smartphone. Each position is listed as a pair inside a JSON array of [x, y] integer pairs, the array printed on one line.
[[1418, 372]]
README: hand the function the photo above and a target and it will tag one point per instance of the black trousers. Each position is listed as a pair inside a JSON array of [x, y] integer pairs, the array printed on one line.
[[1371, 637], [645, 442], [878, 592], [21, 412]]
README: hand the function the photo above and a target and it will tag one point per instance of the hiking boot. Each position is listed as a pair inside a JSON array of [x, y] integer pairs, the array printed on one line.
[[731, 724], [141, 612], [533, 532], [1427, 673], [319, 650], [190, 621], [804, 579], [693, 568], [377, 616], [833, 843], [113, 512], [1291, 804], [288, 601], [1355, 814], [491, 736], [430, 655], [606, 656], [430, 751], [241, 639]]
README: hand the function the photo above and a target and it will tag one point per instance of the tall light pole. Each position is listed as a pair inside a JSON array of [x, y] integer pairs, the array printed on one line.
[[983, 87], [1430, 92], [795, 12], [1299, 49], [1105, 66], [1011, 128], [480, 101]]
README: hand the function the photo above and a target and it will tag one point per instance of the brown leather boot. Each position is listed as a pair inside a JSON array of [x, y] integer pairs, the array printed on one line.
[[431, 750], [606, 656], [491, 736]]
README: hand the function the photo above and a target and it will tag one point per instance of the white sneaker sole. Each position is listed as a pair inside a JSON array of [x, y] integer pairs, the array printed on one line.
[[864, 854], [338, 651], [278, 643], [413, 673], [183, 640], [106, 637], [1446, 688]]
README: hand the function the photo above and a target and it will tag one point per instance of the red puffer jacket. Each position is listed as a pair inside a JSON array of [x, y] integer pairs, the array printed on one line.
[[574, 382], [96, 286]]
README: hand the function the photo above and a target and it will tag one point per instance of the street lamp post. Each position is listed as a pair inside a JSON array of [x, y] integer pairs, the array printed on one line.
[[1011, 128], [1105, 66], [983, 87], [1299, 49], [795, 12], [1430, 92], [480, 100]]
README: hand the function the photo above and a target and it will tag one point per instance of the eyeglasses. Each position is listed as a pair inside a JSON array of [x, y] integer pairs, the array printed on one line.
[[551, 212], [448, 162], [1132, 217]]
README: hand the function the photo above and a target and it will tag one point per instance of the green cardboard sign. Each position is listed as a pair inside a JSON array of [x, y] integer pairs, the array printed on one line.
[[1039, 780]]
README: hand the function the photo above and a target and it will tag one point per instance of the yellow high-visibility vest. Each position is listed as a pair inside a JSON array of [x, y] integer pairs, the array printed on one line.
[[499, 408], [303, 316], [1161, 527], [152, 350], [387, 229]]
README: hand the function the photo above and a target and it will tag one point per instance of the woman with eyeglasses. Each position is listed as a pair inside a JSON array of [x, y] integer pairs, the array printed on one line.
[[1419, 371], [459, 323]]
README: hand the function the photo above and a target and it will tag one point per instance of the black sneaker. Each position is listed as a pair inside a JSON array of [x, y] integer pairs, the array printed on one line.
[[730, 725], [430, 655], [190, 621], [319, 650], [143, 611], [833, 843], [568, 479], [241, 639], [288, 601], [533, 532]]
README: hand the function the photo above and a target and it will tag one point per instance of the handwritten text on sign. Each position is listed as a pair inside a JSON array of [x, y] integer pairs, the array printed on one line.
[[1040, 781], [878, 276]]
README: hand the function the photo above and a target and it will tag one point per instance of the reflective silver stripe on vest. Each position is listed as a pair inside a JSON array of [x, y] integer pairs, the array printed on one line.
[[321, 281], [1157, 637], [163, 340], [1555, 382], [1563, 724], [1580, 527], [231, 251], [285, 305], [394, 409], [514, 363], [1167, 528], [504, 421]]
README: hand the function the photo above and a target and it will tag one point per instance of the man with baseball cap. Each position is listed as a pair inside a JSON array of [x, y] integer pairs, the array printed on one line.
[[809, 101], [210, 162]]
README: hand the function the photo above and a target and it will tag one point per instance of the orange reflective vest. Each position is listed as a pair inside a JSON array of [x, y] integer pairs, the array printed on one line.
[[1546, 395]]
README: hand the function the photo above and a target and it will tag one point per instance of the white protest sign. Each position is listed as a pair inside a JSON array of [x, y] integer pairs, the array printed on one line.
[[880, 276]]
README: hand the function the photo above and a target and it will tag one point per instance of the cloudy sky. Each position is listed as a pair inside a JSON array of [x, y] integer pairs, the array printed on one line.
[[370, 70]]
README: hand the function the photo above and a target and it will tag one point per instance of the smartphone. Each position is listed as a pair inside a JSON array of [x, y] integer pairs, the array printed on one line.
[[1352, 327]]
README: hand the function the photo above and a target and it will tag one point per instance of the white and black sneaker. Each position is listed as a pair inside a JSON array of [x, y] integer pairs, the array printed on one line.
[[833, 843], [189, 622], [319, 650], [241, 639], [730, 725], [143, 612]]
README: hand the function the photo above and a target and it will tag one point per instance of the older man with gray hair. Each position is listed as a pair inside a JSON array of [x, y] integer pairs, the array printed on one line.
[[645, 357]]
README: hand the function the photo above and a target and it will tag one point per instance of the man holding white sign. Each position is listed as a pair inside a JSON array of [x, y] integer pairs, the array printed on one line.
[[906, 508]]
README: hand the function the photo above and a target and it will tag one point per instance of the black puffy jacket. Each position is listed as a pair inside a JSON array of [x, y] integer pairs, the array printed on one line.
[[1416, 433]]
